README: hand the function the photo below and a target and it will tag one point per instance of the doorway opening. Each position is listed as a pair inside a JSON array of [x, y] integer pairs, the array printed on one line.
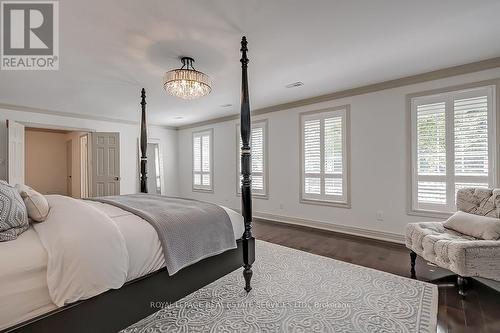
[[65, 161], [155, 167], [55, 162]]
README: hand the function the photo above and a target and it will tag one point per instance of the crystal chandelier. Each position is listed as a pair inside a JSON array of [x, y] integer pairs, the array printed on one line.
[[186, 82]]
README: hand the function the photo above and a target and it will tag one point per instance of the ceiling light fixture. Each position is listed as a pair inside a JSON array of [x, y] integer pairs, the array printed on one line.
[[186, 82]]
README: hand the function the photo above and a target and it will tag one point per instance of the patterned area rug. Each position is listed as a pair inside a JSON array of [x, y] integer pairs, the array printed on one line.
[[295, 291]]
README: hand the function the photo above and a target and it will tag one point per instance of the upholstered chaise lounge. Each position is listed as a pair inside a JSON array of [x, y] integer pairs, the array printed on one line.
[[462, 254]]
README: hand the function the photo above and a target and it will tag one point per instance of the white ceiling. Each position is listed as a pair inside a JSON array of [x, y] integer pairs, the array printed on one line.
[[112, 48]]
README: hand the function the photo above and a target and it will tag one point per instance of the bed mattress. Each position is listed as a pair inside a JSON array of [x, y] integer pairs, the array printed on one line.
[[23, 278]]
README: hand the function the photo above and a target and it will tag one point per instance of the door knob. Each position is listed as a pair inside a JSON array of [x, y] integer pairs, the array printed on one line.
[[117, 178]]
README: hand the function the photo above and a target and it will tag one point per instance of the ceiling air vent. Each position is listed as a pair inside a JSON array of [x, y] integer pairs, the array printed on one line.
[[294, 84]]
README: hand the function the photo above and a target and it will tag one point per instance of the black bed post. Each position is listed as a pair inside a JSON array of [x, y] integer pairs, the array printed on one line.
[[413, 258], [144, 144], [246, 182]]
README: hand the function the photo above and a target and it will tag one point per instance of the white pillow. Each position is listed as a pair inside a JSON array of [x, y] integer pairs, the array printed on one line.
[[477, 226], [21, 188], [36, 204]]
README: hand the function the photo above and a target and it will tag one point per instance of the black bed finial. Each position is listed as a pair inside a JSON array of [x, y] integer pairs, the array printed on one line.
[[244, 49], [144, 144]]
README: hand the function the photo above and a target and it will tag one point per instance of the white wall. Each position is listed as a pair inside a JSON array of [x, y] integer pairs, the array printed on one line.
[[46, 160], [129, 135], [378, 160]]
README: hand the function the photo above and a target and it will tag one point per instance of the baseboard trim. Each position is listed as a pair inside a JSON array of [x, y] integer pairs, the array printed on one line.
[[374, 234]]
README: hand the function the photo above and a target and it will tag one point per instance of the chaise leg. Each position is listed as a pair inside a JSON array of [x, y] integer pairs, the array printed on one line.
[[461, 283], [413, 258], [247, 274]]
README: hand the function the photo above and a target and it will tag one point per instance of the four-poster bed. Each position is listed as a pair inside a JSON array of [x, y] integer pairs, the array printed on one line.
[[116, 309]]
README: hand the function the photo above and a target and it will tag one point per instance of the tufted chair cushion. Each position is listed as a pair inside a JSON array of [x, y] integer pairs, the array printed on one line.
[[462, 254], [479, 201]]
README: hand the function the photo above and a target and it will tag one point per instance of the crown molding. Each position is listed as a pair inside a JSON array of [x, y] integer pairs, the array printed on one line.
[[173, 128], [212, 121], [404, 81], [23, 108]]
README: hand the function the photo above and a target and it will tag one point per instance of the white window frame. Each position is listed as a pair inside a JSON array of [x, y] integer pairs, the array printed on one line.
[[264, 194], [343, 201], [203, 188], [448, 96]]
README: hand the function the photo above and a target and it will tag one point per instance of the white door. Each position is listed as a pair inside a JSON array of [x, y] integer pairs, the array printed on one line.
[[105, 164], [15, 173]]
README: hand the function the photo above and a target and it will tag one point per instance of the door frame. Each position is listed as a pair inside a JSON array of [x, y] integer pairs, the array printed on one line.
[[88, 166], [160, 157], [69, 167], [55, 127]]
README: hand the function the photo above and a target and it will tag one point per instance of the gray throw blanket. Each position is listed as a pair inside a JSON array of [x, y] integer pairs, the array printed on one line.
[[189, 230]]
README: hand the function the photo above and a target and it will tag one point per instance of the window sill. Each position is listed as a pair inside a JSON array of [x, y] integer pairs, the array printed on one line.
[[203, 190], [338, 204], [429, 213]]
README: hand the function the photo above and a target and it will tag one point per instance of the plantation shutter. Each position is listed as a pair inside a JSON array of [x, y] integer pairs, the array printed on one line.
[[258, 165], [258, 159], [312, 156], [202, 160], [197, 160], [333, 152], [452, 147], [431, 153], [205, 160], [471, 142], [324, 156]]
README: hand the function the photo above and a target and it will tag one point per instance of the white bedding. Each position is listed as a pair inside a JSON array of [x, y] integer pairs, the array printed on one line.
[[23, 275], [24, 284], [143, 245]]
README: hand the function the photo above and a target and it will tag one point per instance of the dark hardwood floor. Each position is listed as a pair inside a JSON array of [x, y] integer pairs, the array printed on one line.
[[478, 312]]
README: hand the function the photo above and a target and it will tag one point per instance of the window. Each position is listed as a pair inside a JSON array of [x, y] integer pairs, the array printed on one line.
[[203, 161], [453, 143], [324, 157], [258, 142]]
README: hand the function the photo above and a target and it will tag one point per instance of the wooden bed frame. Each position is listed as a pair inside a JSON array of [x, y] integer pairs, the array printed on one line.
[[116, 309]]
